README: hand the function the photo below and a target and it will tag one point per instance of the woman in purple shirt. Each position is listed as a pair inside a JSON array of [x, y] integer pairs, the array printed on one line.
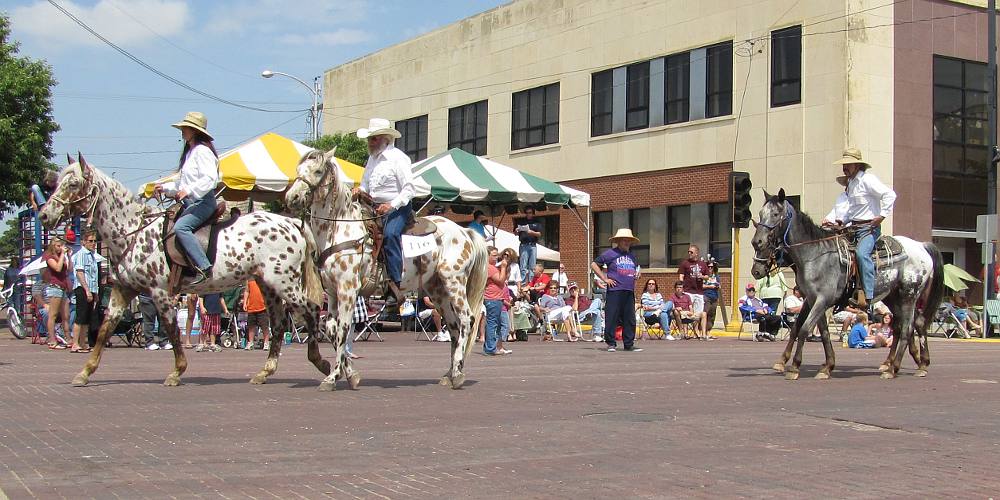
[[622, 271]]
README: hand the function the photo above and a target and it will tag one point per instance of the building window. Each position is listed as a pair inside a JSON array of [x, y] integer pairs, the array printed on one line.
[[601, 98], [678, 233], [467, 128], [719, 85], [550, 230], [535, 118], [603, 231], [786, 66], [720, 238], [960, 135], [637, 96], [638, 222], [414, 140], [677, 88]]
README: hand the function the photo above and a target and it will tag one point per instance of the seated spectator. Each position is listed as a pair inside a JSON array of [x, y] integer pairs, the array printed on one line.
[[965, 317], [555, 310], [881, 332], [428, 310], [561, 278], [586, 308], [845, 317], [539, 283], [753, 309], [656, 311], [859, 338], [683, 312]]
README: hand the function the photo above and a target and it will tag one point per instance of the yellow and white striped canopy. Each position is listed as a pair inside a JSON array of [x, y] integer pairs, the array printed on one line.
[[263, 168]]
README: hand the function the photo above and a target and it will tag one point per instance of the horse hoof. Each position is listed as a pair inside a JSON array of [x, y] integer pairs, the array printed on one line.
[[883, 368], [822, 376], [457, 381], [172, 381], [920, 373], [258, 379], [325, 386], [778, 367], [792, 376], [80, 381], [888, 375], [354, 380], [445, 381]]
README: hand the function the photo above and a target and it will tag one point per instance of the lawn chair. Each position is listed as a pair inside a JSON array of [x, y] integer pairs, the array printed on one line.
[[375, 310], [992, 311], [946, 323], [651, 332]]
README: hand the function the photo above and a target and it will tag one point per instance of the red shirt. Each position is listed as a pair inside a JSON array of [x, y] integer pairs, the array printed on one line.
[[57, 278], [494, 290], [681, 301], [694, 273], [540, 278], [255, 299]]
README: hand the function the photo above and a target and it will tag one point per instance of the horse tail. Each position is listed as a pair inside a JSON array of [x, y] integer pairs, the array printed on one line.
[[476, 284], [310, 274], [935, 292]]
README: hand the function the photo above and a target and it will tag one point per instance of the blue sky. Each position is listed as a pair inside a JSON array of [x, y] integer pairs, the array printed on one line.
[[110, 107]]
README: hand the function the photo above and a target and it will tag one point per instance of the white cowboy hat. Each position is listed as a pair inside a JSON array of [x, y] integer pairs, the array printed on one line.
[[852, 155], [195, 120], [378, 126], [624, 233]]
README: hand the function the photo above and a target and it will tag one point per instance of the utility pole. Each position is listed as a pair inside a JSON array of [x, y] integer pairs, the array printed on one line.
[[991, 189]]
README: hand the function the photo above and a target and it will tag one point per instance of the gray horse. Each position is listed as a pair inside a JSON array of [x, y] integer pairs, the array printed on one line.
[[911, 284]]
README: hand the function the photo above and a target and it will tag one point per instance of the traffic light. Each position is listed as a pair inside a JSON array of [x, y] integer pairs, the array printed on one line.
[[739, 199]]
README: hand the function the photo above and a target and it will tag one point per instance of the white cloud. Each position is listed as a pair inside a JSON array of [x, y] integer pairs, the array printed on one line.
[[287, 19], [110, 18], [329, 38]]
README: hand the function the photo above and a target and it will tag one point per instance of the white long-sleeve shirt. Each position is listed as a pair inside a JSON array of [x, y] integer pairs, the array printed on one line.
[[839, 210], [388, 177], [867, 198], [199, 174]]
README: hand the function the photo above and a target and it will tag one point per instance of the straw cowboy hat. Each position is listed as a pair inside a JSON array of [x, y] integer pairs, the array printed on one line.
[[850, 156], [624, 234], [195, 120], [378, 126]]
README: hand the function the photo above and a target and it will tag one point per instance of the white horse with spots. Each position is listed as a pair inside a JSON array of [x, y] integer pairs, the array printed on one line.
[[453, 274], [269, 248]]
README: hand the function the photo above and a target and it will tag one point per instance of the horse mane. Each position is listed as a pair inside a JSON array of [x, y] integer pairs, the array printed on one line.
[[341, 193], [811, 230]]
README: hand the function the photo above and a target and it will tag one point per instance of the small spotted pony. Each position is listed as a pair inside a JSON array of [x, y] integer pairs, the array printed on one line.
[[453, 273], [269, 247]]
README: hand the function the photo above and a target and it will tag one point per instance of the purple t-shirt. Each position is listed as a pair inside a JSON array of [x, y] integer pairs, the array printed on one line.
[[621, 267]]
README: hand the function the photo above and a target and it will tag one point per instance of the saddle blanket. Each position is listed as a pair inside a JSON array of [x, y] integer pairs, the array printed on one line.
[[415, 246]]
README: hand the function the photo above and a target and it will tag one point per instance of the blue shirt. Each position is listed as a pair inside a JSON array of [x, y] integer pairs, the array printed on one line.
[[86, 261], [478, 227], [622, 268], [857, 336], [213, 303]]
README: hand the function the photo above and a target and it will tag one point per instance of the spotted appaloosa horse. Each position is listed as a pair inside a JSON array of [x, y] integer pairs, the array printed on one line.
[[915, 277], [453, 274], [262, 246]]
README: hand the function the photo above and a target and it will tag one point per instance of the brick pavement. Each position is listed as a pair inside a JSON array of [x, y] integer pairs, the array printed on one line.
[[682, 419]]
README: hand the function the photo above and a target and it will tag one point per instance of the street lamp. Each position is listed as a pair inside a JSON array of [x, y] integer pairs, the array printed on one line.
[[314, 90]]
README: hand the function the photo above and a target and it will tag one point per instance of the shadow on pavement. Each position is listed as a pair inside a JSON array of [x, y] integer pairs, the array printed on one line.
[[841, 371]]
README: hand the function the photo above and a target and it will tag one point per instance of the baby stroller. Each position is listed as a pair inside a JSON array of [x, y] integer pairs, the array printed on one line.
[[233, 328]]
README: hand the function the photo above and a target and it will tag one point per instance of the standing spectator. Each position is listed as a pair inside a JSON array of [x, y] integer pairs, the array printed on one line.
[[191, 323], [478, 223], [13, 279], [41, 309], [528, 233], [711, 286], [514, 271], [561, 278], [693, 272], [212, 309], [496, 281], [771, 289], [40, 194], [150, 318], [505, 320], [253, 304], [655, 310], [622, 271], [87, 289], [358, 323], [56, 289]]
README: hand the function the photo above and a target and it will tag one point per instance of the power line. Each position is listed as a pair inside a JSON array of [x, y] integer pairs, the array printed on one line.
[[160, 73]]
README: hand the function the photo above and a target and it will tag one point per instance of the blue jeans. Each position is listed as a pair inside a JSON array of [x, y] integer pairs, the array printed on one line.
[[866, 268], [494, 309], [666, 314], [392, 245], [527, 253], [595, 310], [195, 213], [504, 325]]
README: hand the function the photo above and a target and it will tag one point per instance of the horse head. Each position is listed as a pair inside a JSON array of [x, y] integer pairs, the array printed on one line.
[[316, 170], [771, 224], [75, 188]]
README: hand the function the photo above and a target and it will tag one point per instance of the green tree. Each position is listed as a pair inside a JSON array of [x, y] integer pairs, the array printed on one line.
[[26, 123], [10, 240], [349, 147]]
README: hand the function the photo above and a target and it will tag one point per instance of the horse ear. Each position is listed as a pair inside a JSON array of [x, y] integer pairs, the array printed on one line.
[[330, 153], [767, 196], [781, 195], [84, 166], [69, 159]]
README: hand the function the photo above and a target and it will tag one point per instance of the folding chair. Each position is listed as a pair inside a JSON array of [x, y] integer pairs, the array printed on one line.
[[651, 332], [375, 309], [787, 322], [992, 312], [754, 327], [946, 323]]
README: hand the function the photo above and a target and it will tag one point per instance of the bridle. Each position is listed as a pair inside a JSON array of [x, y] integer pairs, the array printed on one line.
[[91, 193], [322, 182], [325, 180], [775, 242]]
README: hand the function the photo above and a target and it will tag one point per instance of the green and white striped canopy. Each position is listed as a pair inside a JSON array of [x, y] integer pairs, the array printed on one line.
[[461, 177]]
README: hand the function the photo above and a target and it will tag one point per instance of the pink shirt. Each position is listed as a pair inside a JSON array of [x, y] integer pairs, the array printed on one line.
[[494, 290]]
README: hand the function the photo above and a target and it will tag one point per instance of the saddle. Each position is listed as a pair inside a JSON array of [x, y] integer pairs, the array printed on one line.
[[207, 233], [887, 252], [376, 279]]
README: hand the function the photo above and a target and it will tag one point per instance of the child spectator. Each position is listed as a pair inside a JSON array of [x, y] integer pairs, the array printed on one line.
[[963, 315], [212, 309], [253, 304], [710, 286], [858, 338], [684, 313], [881, 332]]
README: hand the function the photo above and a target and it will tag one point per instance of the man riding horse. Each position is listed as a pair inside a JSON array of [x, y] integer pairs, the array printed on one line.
[[389, 181], [863, 205]]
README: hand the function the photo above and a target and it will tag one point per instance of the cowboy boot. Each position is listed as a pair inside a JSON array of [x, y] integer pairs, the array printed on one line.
[[396, 292], [861, 300]]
